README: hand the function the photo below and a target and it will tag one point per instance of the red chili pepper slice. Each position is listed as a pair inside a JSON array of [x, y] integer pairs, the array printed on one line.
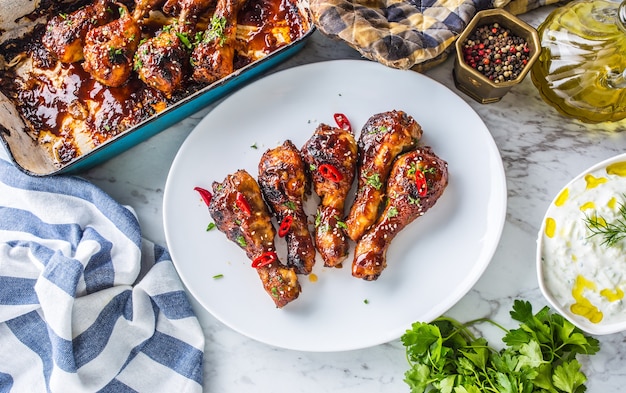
[[285, 226], [264, 259], [342, 121], [205, 194], [420, 182], [330, 172], [243, 204]]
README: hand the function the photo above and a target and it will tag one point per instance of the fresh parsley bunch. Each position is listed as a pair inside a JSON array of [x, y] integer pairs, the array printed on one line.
[[539, 356]]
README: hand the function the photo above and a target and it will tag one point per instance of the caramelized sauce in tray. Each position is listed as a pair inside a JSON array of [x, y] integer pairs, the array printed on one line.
[[70, 113]]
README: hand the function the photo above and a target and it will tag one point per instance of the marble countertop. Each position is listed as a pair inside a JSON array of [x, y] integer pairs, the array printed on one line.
[[541, 151]]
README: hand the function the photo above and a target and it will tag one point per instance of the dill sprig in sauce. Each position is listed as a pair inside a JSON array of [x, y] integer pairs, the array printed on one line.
[[611, 232]]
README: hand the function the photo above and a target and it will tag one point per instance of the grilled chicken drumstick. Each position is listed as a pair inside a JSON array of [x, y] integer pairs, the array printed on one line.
[[416, 182], [163, 61], [65, 33], [109, 49], [214, 54], [284, 184], [238, 210], [331, 154], [383, 137]]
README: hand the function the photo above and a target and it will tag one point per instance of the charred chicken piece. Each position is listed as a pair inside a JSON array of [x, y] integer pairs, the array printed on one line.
[[238, 210], [284, 184], [417, 180], [65, 33], [109, 50], [162, 62], [213, 56], [331, 154], [383, 137]]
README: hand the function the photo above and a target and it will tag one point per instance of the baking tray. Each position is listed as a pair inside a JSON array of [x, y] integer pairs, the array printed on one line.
[[19, 18]]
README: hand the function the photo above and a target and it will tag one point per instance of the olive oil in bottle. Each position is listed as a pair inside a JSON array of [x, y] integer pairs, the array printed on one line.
[[582, 67]]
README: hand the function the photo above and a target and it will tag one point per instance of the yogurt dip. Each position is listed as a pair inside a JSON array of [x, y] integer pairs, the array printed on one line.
[[579, 273]]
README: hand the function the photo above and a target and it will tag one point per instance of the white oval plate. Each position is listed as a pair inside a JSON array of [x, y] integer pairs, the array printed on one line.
[[431, 264], [562, 303]]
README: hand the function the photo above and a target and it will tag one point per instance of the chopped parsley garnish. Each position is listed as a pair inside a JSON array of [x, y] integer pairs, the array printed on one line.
[[184, 39], [216, 30], [318, 218], [374, 181], [341, 224], [379, 130], [290, 205], [241, 241]]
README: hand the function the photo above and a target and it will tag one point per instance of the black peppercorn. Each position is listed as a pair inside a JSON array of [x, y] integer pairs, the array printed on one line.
[[496, 53]]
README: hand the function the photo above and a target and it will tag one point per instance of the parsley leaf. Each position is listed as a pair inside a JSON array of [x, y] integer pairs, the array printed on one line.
[[540, 356]]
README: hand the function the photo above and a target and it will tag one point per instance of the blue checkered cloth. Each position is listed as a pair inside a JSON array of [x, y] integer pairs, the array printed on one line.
[[86, 304], [405, 34]]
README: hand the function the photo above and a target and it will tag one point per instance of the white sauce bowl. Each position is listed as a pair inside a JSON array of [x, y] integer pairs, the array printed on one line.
[[582, 278]]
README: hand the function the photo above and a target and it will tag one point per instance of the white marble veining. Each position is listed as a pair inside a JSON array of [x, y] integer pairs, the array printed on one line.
[[541, 151]]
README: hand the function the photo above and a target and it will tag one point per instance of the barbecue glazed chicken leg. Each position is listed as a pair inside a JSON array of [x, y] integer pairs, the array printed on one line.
[[284, 184], [162, 62], [383, 137], [109, 49], [238, 210], [214, 54], [331, 155], [65, 33], [417, 180]]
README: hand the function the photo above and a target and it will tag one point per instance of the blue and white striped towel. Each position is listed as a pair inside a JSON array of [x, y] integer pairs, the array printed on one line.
[[86, 304]]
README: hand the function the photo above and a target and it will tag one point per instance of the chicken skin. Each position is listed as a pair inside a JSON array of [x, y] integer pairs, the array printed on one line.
[[238, 210], [285, 184], [417, 180], [383, 137], [65, 33], [109, 50], [162, 62], [335, 150], [213, 57]]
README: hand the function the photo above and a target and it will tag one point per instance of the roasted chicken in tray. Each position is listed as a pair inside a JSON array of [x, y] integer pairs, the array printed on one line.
[[331, 155], [213, 56], [238, 210], [162, 61], [65, 33], [416, 182], [383, 137], [285, 184], [109, 49]]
